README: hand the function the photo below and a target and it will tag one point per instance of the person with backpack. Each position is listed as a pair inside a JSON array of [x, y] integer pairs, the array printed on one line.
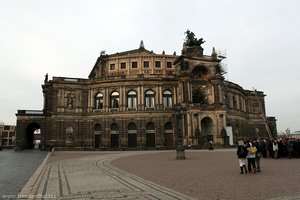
[[242, 153], [251, 157]]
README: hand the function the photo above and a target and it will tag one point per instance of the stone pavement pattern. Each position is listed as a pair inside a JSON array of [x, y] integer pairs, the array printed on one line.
[[216, 175], [93, 177], [203, 175], [16, 167]]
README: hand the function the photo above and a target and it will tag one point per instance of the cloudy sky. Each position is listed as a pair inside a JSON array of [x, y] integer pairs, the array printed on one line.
[[64, 38]]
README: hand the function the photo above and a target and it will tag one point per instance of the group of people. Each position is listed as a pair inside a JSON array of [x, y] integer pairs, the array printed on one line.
[[282, 148], [250, 151]]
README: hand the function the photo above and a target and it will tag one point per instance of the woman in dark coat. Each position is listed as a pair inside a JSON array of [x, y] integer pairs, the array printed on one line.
[[242, 153]]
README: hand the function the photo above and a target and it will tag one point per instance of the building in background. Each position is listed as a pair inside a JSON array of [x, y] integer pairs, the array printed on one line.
[[128, 102], [7, 136]]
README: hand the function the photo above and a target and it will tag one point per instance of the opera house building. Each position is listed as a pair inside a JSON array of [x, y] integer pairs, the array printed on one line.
[[139, 99]]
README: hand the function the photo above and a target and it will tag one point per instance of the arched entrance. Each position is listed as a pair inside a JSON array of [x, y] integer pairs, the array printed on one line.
[[114, 135], [150, 135], [97, 132], [32, 137], [132, 132], [207, 128], [169, 135]]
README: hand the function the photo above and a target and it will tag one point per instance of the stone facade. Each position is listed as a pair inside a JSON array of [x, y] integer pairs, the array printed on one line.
[[128, 102], [7, 136]]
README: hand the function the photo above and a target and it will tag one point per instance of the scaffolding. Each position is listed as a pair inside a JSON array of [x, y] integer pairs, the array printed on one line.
[[222, 55], [262, 114]]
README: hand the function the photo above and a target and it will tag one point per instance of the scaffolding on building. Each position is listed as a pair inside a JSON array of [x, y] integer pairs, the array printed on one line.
[[262, 114]]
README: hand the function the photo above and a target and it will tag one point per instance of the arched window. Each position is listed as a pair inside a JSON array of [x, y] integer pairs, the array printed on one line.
[[99, 101], [168, 126], [149, 99], [167, 95], [200, 72], [150, 126], [114, 127], [131, 99], [114, 100], [132, 126], [234, 102], [97, 128]]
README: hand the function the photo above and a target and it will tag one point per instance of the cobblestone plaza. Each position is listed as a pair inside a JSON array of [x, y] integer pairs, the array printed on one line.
[[158, 175]]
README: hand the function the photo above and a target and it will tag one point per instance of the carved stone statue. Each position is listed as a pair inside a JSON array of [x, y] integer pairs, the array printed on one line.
[[46, 78], [102, 53], [142, 46], [191, 40], [70, 102], [223, 132], [184, 65]]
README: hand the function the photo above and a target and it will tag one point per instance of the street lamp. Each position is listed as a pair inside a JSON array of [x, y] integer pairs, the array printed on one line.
[[179, 110]]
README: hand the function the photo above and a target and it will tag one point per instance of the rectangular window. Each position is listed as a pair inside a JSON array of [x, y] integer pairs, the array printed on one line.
[[146, 64], [134, 65], [99, 103], [169, 64], [157, 64], [123, 65], [112, 67], [149, 102], [132, 103]]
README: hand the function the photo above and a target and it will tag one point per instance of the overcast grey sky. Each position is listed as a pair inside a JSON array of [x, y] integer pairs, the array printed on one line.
[[65, 37]]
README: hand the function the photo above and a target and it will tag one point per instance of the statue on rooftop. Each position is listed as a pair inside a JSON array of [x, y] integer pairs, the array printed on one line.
[[142, 46], [46, 78], [191, 40], [102, 53]]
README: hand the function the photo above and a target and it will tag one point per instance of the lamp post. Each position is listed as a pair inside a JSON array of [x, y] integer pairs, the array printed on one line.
[[179, 110]]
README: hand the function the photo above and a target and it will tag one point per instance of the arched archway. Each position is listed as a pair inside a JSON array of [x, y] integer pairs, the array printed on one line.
[[200, 72], [207, 128], [150, 135], [32, 137]]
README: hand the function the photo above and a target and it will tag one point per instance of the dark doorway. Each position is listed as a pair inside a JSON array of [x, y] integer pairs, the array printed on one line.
[[132, 140], [97, 131], [114, 139], [150, 137], [132, 131], [114, 135], [150, 134], [169, 140], [207, 128], [29, 137], [97, 141]]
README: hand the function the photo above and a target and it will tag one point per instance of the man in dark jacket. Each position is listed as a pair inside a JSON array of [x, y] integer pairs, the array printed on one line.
[[258, 154]]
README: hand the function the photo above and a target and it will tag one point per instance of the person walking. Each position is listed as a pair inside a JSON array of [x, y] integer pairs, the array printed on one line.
[[258, 154], [251, 149], [242, 153], [275, 149], [290, 148]]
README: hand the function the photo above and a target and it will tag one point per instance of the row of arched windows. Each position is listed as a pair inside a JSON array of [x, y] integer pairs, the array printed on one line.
[[132, 99], [132, 126]]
